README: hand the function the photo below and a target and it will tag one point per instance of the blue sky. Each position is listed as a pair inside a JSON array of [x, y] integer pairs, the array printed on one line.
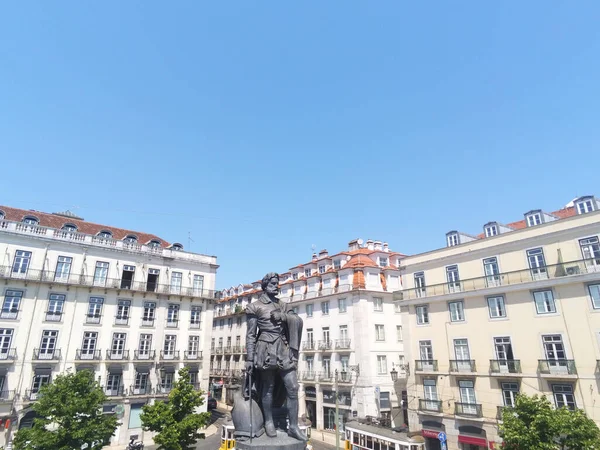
[[264, 128]]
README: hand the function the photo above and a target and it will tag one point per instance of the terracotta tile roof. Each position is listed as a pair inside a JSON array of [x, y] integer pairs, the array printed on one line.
[[56, 221], [359, 261]]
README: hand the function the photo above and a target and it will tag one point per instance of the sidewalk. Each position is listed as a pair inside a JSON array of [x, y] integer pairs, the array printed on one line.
[[328, 437], [148, 445]]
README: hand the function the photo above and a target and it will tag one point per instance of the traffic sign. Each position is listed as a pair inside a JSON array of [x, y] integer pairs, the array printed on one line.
[[442, 436]]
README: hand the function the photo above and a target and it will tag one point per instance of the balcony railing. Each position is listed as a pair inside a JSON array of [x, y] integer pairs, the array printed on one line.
[[141, 389], [426, 365], [326, 377], [144, 355], [325, 345], [468, 409], [164, 389], [87, 355], [169, 355], [44, 354], [237, 349], [195, 355], [122, 320], [147, 322], [8, 354], [502, 366], [172, 323], [32, 395], [462, 366], [228, 350], [195, 324], [342, 344], [430, 405], [557, 367], [93, 318], [117, 355], [53, 316], [7, 396], [566, 269], [114, 392], [308, 346], [218, 350], [500, 412], [9, 314], [309, 376], [345, 377]]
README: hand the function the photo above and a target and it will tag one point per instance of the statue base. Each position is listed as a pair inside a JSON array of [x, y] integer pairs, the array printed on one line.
[[264, 442]]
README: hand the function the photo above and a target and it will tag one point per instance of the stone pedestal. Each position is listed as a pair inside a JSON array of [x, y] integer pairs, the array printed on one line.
[[264, 442]]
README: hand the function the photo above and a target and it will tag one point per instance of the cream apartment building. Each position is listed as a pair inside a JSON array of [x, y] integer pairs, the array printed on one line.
[[515, 309], [77, 295], [350, 326]]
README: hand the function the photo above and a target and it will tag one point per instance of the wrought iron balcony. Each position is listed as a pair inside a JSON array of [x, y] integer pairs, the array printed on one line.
[[172, 323], [87, 355], [344, 377], [325, 345], [309, 376], [45, 354], [169, 355], [7, 396], [218, 350], [237, 349], [430, 405], [147, 322], [500, 412], [326, 377], [164, 389], [114, 392], [228, 350], [141, 389], [468, 409], [8, 354], [342, 344], [462, 366], [117, 355], [195, 324], [192, 355], [93, 318], [144, 355], [52, 316], [557, 367], [505, 366], [32, 395], [121, 320], [426, 365], [308, 346], [9, 314]]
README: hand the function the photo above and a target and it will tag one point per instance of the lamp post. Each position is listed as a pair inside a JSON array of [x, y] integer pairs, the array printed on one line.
[[337, 420]]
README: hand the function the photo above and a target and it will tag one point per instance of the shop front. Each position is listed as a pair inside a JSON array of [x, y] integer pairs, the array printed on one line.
[[472, 438], [344, 408], [310, 393], [431, 430]]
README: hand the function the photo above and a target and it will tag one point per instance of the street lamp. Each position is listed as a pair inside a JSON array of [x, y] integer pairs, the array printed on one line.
[[394, 374]]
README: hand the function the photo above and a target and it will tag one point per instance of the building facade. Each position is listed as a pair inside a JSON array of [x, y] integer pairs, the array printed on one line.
[[513, 310], [76, 295], [351, 328]]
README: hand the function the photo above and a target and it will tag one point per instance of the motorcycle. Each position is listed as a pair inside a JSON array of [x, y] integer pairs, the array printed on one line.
[[133, 445]]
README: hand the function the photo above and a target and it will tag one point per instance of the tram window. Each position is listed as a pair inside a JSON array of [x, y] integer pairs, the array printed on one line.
[[376, 445], [362, 440], [414, 447], [370, 442], [355, 438], [384, 445]]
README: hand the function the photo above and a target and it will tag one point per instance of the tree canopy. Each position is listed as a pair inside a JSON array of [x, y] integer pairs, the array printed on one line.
[[176, 422], [68, 416], [533, 424]]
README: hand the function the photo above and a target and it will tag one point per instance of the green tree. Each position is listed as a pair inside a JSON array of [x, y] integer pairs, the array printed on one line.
[[68, 416], [176, 422], [533, 424]]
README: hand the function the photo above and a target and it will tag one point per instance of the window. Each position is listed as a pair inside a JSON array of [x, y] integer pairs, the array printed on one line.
[[221, 323], [344, 335], [491, 230], [295, 276], [309, 310], [496, 307], [198, 285], [504, 353], [104, 234], [326, 367], [176, 282], [492, 272], [509, 393], [399, 336], [422, 314], [177, 247], [170, 341], [326, 334], [453, 278], [154, 243], [377, 304], [21, 262], [193, 346], [452, 239], [590, 249], [2, 215], [141, 382], [537, 263], [6, 335], [48, 344], [544, 302], [309, 335], [88, 346], [430, 393], [10, 307], [63, 268], [585, 206], [553, 347], [383, 261], [461, 351], [342, 305], [39, 380], [69, 227], [534, 219], [172, 315], [100, 273], [149, 314], [420, 284], [397, 307], [381, 364], [144, 346], [117, 349], [425, 351], [196, 316], [563, 396], [321, 269], [379, 333], [130, 239], [123, 308], [56, 304], [457, 313], [337, 264], [325, 308], [467, 395], [166, 381], [30, 220]]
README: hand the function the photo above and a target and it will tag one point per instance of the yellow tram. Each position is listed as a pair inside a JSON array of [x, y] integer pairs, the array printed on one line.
[[228, 439], [369, 437]]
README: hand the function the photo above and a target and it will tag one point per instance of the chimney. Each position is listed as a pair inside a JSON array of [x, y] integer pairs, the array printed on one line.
[[353, 245], [370, 245], [314, 257], [323, 254], [377, 245], [385, 247]]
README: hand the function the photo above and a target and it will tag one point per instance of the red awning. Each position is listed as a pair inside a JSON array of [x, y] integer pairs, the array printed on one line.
[[430, 434], [472, 440]]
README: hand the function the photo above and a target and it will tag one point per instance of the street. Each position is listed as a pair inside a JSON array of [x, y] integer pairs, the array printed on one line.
[[213, 442]]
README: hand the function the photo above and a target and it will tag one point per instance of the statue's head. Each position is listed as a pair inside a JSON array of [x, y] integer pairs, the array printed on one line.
[[270, 283]]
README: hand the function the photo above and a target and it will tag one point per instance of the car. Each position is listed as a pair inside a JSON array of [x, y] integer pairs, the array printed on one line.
[[212, 403]]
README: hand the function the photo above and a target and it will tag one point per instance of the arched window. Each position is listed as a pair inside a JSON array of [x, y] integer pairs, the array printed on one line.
[[104, 234], [177, 247], [2, 215], [154, 243], [69, 227], [31, 220], [130, 239]]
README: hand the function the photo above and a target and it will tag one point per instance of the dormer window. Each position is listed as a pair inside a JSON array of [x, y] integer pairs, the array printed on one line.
[[337, 264], [69, 227], [585, 205], [154, 243], [533, 219], [295, 276], [177, 247], [30, 220], [383, 262], [490, 230], [130, 239], [104, 234], [321, 269], [307, 272], [2, 215], [452, 239]]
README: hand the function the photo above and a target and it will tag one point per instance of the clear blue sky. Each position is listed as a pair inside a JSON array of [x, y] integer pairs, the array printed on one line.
[[266, 127]]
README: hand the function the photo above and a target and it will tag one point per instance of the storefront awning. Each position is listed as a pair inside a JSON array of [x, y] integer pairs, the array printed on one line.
[[472, 440]]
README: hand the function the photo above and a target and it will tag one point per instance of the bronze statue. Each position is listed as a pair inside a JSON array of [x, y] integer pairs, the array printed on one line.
[[272, 342]]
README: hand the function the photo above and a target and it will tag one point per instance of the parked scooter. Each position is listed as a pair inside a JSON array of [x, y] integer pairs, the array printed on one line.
[[133, 445]]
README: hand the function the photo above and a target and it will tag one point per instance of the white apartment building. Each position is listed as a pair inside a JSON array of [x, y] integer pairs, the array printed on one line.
[[512, 310], [351, 326], [77, 295]]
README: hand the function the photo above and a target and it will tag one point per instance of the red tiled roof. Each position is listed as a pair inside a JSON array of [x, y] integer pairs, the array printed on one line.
[[56, 221], [359, 261]]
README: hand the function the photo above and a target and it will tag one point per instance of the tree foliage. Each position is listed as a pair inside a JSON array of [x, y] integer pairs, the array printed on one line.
[[533, 424], [176, 422], [68, 415]]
